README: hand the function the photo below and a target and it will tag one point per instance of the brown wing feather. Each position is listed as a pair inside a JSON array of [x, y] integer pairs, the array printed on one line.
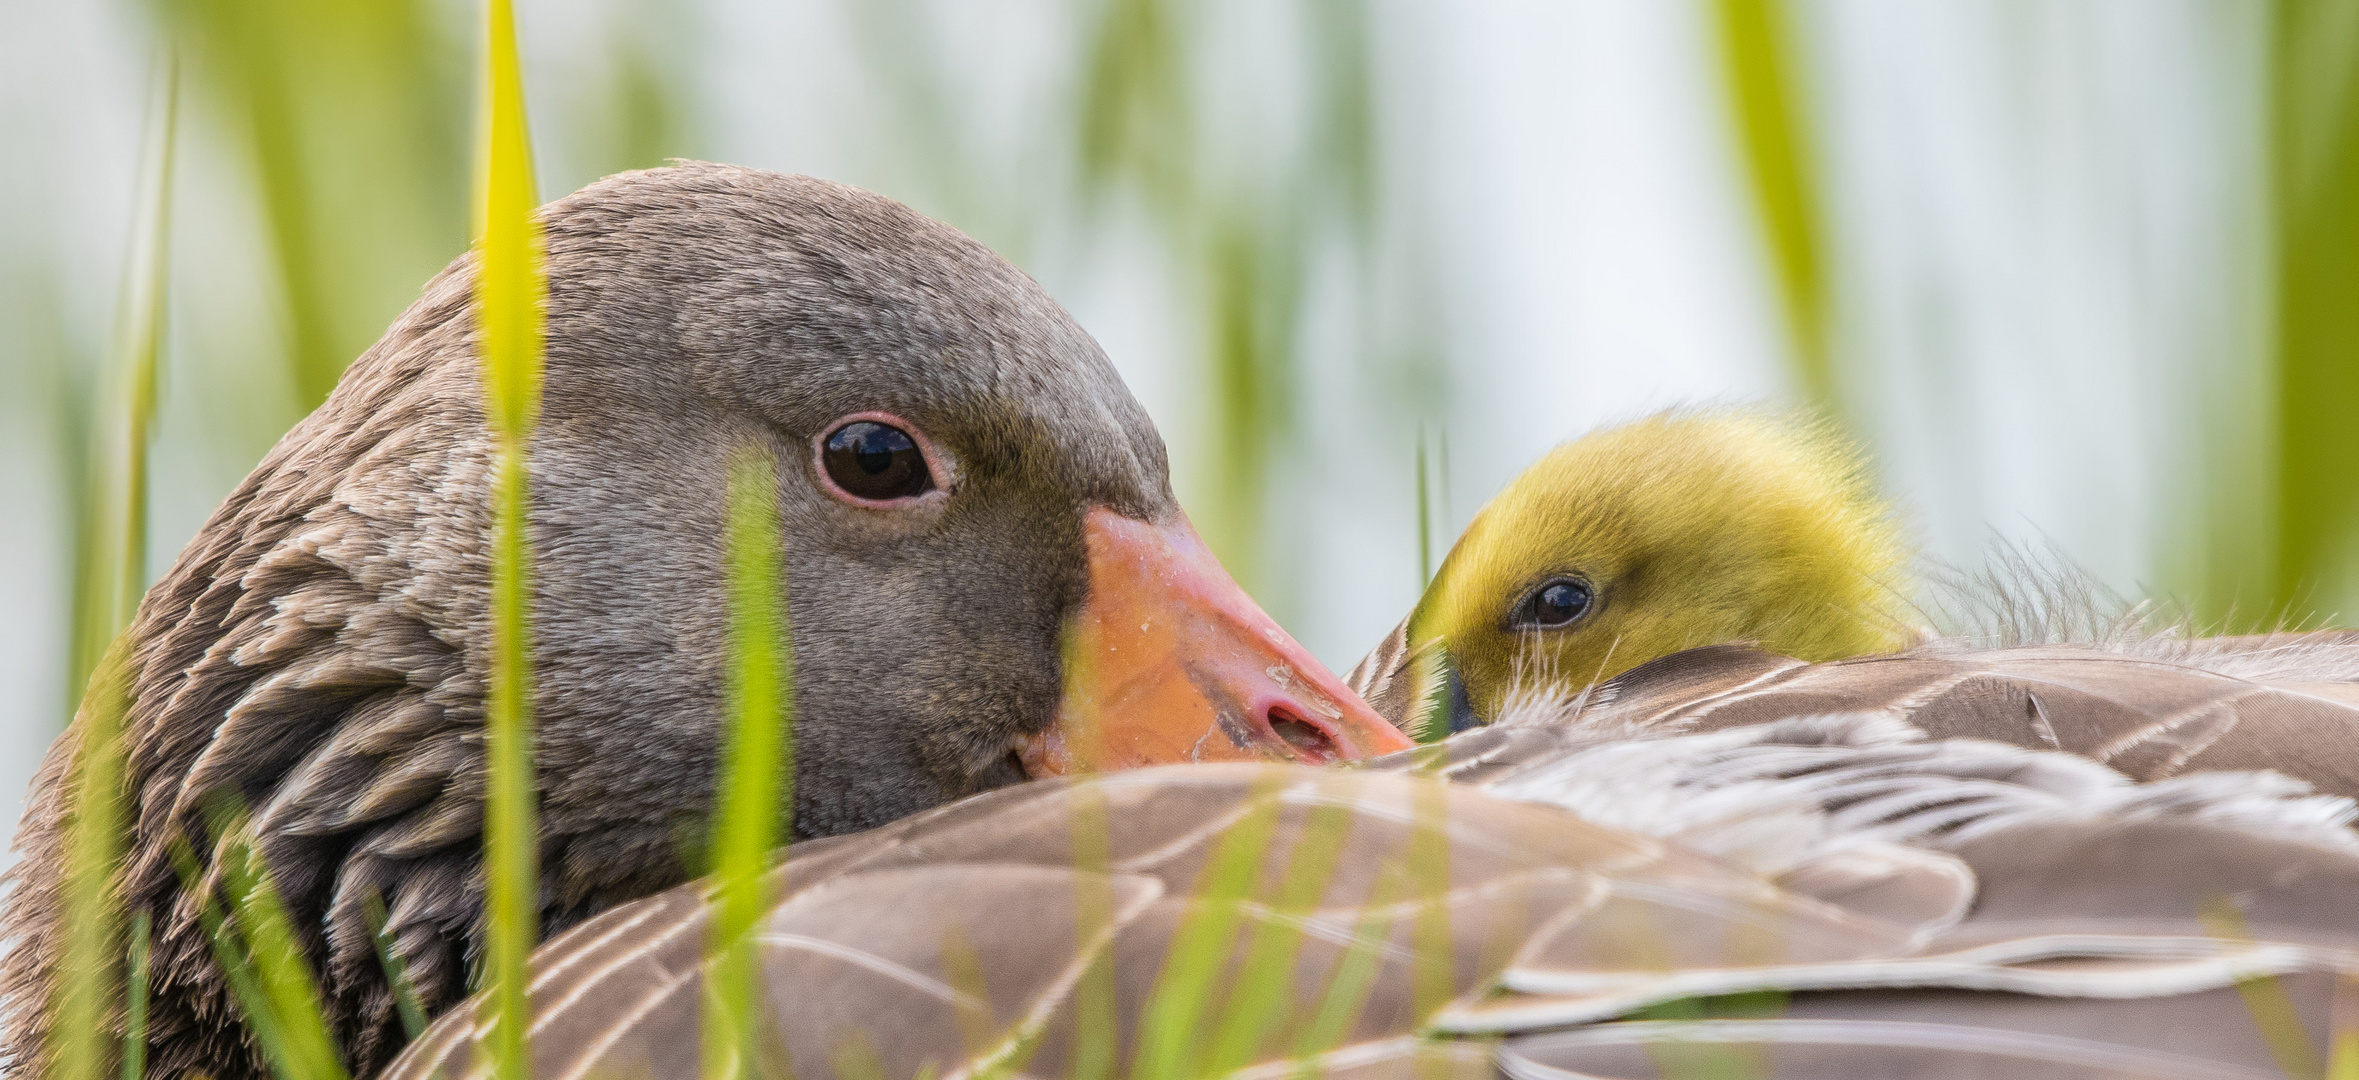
[[2156, 710], [1382, 677], [949, 944], [284, 643]]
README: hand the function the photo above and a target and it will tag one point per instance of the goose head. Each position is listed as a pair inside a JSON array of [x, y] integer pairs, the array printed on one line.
[[1682, 529], [986, 573]]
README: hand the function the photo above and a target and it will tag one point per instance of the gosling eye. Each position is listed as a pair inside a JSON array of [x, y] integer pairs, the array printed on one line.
[[875, 459], [1556, 603]]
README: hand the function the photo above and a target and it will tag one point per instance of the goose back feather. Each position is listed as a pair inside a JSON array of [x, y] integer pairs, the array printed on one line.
[[2151, 709], [1935, 908]]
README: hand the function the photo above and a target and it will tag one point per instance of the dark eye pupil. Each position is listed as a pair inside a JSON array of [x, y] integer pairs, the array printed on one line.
[[876, 461], [1559, 603]]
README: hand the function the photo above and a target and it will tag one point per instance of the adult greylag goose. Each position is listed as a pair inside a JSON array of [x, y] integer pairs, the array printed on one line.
[[1751, 539], [1719, 862], [962, 477]]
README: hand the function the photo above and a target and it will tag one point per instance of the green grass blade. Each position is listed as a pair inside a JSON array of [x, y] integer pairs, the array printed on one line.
[[1433, 496], [1758, 60], [856, 1059], [648, 117], [237, 969], [1135, 122], [1441, 480], [1424, 516], [2315, 132], [90, 972], [2274, 1016], [351, 123], [756, 785], [1343, 72], [509, 292], [135, 987], [80, 476], [1171, 1030], [1254, 313], [144, 347], [1095, 1053], [2342, 1049], [93, 949], [1354, 976], [397, 976], [276, 957], [255, 945], [1431, 977], [1094, 1049], [1261, 1002]]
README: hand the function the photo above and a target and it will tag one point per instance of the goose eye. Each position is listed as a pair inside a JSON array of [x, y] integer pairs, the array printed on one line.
[[875, 462], [1557, 603]]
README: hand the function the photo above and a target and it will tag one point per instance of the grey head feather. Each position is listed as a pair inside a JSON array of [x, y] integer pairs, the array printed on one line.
[[316, 655]]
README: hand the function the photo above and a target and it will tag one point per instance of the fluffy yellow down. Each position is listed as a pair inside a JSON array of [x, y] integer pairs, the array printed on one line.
[[1691, 528]]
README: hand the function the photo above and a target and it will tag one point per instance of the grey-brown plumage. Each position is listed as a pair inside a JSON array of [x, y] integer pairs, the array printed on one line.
[[1920, 908], [2151, 708], [317, 653]]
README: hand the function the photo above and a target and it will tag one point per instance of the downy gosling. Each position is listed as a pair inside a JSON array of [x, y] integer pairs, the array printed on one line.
[[1683, 529]]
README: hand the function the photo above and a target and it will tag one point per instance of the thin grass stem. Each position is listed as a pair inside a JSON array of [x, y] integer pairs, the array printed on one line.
[[2265, 998], [135, 1000], [397, 976], [756, 784], [1424, 516], [259, 954], [1763, 90], [1170, 1040], [509, 294], [93, 950], [283, 975], [1094, 1049], [144, 347], [1354, 975], [236, 969], [1261, 1002]]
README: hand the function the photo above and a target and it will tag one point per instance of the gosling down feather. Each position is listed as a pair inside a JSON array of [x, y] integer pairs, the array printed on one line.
[[1683, 529]]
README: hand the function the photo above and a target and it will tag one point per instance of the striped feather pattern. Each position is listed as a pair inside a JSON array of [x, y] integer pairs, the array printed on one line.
[[1921, 906], [2152, 709]]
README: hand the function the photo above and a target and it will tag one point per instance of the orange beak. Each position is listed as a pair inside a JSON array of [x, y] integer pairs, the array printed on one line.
[[1169, 661]]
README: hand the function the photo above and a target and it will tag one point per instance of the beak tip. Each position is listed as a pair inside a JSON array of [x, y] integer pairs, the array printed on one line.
[[1206, 675]]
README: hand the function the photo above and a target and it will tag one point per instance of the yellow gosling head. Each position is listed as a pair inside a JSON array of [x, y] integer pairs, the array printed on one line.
[[1684, 529]]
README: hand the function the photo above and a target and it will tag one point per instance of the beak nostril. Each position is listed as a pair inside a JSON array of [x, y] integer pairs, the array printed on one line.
[[1307, 739]]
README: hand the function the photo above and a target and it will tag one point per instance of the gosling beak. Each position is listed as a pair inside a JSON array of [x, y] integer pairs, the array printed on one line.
[[1169, 661]]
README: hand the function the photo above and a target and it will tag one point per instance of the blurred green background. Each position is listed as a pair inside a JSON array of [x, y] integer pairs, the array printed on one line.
[[2084, 274]]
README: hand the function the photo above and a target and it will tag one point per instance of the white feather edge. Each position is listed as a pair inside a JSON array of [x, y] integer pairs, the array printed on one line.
[[1517, 1060], [1772, 797]]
